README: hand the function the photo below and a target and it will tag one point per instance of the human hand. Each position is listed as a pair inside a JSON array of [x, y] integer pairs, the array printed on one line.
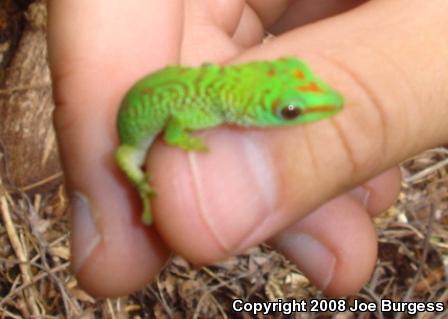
[[292, 186]]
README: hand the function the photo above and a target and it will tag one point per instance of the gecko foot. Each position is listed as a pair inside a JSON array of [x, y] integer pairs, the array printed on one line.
[[146, 192]]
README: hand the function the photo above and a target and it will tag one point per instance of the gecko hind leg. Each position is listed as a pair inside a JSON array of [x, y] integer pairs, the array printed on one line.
[[130, 160], [177, 135]]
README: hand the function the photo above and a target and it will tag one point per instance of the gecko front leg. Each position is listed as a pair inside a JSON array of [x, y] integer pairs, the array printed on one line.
[[177, 135]]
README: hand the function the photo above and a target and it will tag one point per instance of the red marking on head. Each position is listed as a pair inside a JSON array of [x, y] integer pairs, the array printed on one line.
[[147, 91], [271, 72], [312, 87], [299, 75]]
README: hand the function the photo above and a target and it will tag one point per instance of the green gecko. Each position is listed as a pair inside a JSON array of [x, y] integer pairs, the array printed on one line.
[[178, 100]]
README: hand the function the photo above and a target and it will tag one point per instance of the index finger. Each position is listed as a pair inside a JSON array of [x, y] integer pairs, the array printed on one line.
[[97, 49]]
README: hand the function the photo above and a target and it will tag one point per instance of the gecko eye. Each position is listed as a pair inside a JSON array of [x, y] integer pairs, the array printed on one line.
[[289, 112]]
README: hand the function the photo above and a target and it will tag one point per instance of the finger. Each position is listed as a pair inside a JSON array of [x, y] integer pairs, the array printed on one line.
[[97, 49], [380, 192], [335, 246], [269, 11], [254, 183], [215, 31], [250, 30], [280, 16]]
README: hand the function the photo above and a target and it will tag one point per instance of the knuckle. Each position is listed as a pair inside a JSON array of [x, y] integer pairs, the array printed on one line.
[[365, 128]]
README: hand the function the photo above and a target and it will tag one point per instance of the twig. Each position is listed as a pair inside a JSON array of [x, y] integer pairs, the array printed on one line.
[[427, 171], [42, 182], [419, 273], [376, 299], [163, 300], [43, 249], [31, 293], [9, 314], [34, 281]]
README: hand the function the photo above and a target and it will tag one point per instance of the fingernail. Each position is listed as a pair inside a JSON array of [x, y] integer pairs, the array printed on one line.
[[313, 258], [235, 184], [362, 194], [85, 236]]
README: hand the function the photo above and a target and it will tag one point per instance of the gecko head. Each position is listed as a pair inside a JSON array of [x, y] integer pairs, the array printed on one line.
[[293, 94], [295, 107], [306, 103]]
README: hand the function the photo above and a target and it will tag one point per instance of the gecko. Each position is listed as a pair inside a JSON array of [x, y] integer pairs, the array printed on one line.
[[178, 100]]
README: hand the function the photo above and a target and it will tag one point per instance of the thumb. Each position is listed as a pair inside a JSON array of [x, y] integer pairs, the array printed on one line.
[[385, 57]]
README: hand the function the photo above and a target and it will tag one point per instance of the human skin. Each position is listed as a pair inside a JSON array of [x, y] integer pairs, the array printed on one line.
[[309, 190]]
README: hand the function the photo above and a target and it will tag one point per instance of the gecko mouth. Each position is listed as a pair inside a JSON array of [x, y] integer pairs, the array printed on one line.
[[320, 109]]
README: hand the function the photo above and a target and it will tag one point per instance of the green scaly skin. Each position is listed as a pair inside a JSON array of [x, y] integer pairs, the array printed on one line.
[[178, 100]]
